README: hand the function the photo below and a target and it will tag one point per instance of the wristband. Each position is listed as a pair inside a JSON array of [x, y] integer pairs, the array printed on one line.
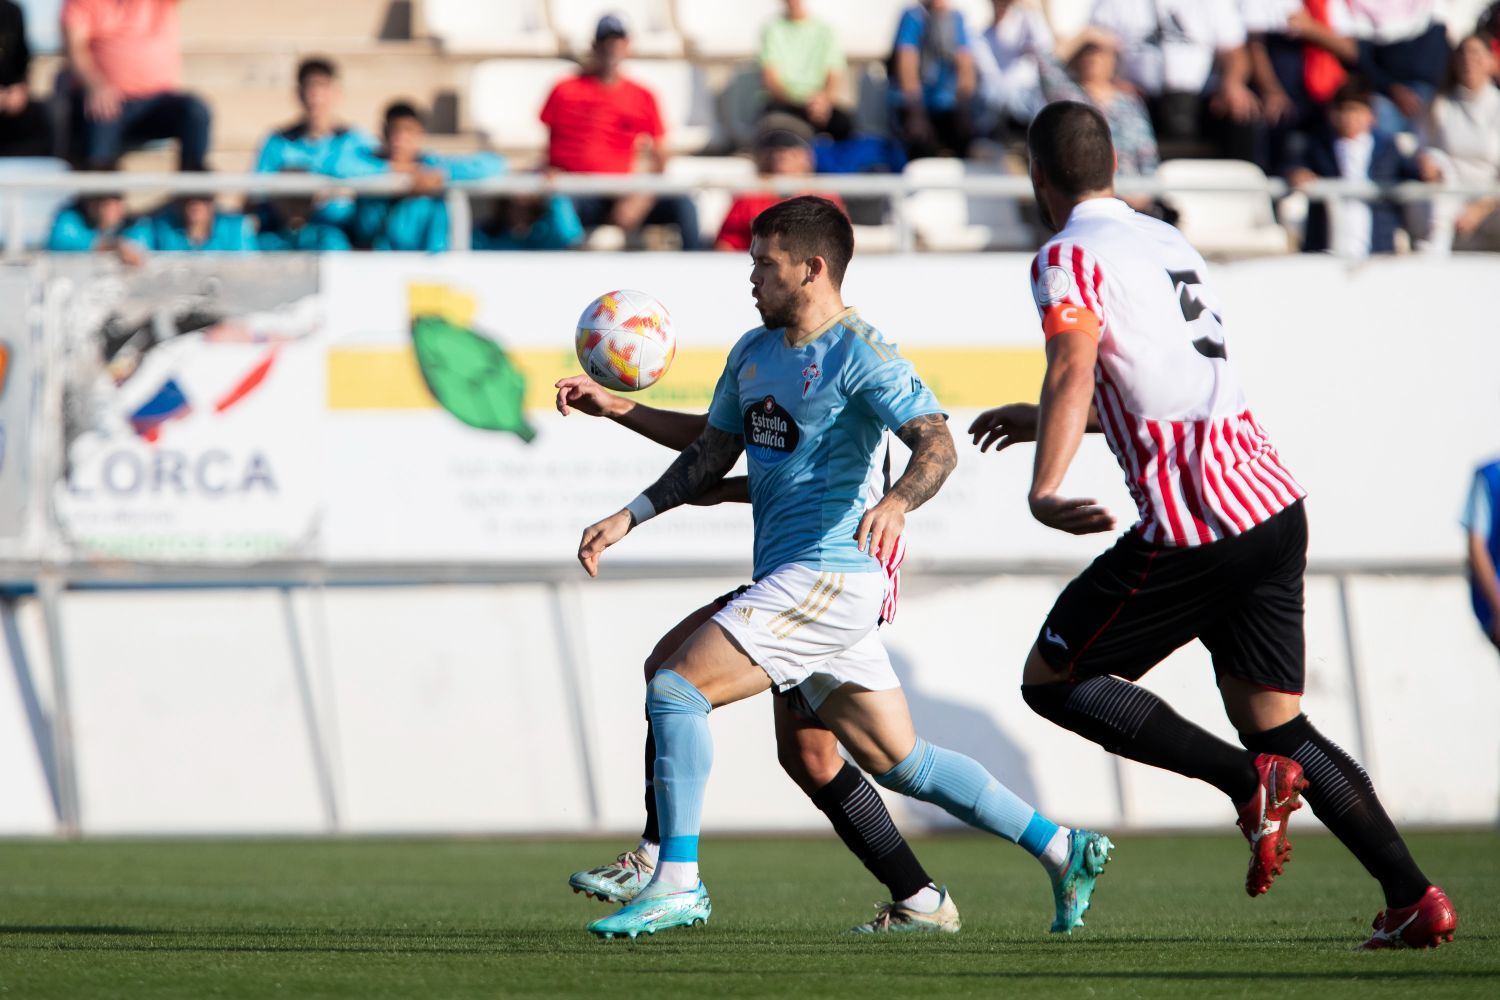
[[641, 509]]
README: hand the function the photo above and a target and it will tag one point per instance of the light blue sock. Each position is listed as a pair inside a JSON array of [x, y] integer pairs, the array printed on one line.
[[963, 788], [684, 755]]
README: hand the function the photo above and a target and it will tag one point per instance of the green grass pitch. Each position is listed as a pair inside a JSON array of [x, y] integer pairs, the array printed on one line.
[[486, 918]]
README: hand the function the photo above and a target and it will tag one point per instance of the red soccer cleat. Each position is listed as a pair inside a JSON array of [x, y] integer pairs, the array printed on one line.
[[1263, 819], [1426, 923]]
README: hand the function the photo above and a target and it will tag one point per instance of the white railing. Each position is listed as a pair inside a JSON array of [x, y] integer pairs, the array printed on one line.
[[894, 188]]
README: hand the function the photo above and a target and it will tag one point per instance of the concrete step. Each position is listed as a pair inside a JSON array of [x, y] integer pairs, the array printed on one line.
[[323, 22]]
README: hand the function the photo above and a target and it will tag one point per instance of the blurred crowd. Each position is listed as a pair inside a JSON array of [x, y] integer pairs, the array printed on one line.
[[1304, 89]]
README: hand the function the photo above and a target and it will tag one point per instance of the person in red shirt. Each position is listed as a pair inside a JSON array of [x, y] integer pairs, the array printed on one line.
[[779, 152], [597, 121]]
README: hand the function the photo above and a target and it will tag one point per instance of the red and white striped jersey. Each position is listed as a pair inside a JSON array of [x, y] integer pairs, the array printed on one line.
[[892, 559], [1198, 465]]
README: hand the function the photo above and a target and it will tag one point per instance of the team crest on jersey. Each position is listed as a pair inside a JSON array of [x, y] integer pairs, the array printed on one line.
[[771, 433], [1054, 284], [810, 377]]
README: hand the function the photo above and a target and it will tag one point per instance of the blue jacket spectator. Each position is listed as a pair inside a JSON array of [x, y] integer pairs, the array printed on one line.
[[419, 221], [548, 223], [1481, 521], [932, 71], [193, 223], [1353, 150], [94, 223]]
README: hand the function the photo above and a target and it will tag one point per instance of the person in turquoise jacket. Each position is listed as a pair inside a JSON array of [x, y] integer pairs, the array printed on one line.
[[418, 221], [89, 223], [548, 222], [193, 223], [295, 222]]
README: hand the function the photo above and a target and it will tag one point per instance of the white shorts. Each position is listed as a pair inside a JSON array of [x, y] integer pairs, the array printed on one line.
[[813, 630]]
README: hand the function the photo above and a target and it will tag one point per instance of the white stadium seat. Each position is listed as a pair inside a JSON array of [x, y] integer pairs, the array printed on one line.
[[34, 209], [718, 30], [1223, 223], [978, 15], [516, 27], [649, 21], [506, 97], [865, 28], [712, 204], [1068, 17], [949, 220], [683, 98]]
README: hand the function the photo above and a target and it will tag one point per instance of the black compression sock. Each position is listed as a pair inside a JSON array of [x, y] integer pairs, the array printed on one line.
[[1128, 720], [1342, 796], [864, 825], [652, 832]]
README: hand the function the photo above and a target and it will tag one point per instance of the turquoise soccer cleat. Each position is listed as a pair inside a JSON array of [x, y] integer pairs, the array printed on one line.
[[656, 908], [1073, 887]]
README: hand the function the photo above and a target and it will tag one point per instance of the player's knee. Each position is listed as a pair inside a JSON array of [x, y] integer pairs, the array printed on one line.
[[812, 767], [1047, 699], [910, 776], [669, 693], [652, 665]]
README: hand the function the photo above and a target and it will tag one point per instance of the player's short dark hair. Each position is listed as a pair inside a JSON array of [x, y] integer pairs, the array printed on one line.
[[403, 110], [810, 227], [1070, 142], [316, 66]]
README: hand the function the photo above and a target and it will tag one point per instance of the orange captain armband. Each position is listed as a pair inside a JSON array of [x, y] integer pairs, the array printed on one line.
[[1064, 317]]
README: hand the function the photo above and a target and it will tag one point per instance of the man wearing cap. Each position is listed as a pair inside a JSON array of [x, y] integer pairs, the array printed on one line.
[[781, 150], [597, 120]]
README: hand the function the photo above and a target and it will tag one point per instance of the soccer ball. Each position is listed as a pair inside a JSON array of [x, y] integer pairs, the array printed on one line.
[[625, 340]]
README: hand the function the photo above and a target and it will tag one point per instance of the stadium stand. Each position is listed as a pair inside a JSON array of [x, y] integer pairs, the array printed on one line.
[[1068, 17], [725, 31], [515, 28], [946, 219], [652, 29], [866, 29], [713, 204], [34, 209], [682, 95], [1237, 223], [506, 95]]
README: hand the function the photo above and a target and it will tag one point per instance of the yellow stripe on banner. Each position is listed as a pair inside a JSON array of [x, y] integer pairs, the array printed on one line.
[[387, 378]]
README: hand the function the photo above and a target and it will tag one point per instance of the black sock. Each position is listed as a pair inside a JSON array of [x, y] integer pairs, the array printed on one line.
[[652, 832], [1340, 792], [1128, 720], [864, 825]]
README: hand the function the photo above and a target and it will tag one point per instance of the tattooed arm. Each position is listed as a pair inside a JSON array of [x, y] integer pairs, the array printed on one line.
[[933, 458], [701, 466]]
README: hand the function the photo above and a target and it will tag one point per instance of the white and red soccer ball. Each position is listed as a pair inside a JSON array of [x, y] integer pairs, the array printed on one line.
[[625, 340]]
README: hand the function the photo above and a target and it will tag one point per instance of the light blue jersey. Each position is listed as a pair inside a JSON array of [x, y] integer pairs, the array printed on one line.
[[814, 420]]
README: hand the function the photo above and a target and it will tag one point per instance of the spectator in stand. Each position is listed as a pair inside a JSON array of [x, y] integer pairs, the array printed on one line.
[[1008, 60], [1091, 75], [192, 223], [801, 66], [25, 129], [419, 220], [1353, 149], [1188, 59], [1397, 47], [319, 142], [93, 222], [779, 152], [1481, 522], [1461, 143], [933, 81], [125, 62], [546, 222], [1297, 48], [597, 120], [296, 222]]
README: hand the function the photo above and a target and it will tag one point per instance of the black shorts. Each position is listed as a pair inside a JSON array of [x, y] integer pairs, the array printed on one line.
[[1242, 596]]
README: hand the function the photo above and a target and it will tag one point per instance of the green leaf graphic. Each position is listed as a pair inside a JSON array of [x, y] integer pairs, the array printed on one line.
[[471, 376]]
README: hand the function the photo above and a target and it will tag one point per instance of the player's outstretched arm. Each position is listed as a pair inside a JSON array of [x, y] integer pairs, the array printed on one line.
[[669, 428], [933, 458], [1014, 423], [1063, 416], [702, 464]]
